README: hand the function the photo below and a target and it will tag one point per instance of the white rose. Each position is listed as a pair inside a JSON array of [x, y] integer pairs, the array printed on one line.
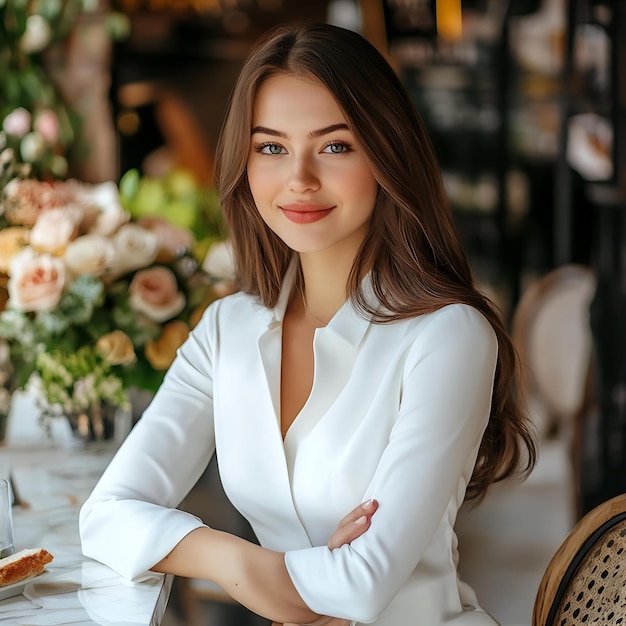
[[107, 198], [54, 229], [89, 254], [37, 35], [36, 281], [135, 247], [219, 261], [220, 264]]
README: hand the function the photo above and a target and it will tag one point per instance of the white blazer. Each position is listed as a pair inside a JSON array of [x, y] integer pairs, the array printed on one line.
[[396, 413]]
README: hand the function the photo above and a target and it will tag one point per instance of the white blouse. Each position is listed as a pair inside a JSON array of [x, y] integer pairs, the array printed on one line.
[[396, 413]]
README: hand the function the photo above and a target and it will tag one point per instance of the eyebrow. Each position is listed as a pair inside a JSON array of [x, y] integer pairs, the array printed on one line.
[[314, 134]]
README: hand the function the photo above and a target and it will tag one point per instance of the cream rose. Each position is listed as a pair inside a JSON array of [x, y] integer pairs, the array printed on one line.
[[89, 254], [117, 348], [13, 240], [161, 353], [36, 281], [154, 292], [54, 229], [220, 264], [111, 214], [135, 247], [38, 34]]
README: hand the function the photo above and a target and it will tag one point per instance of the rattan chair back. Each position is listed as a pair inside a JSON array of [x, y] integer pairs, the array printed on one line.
[[585, 582]]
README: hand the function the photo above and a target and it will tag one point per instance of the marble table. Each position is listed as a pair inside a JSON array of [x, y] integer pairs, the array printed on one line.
[[51, 483]]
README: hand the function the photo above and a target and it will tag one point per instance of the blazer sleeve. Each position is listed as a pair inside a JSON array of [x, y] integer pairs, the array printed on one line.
[[445, 405], [130, 522]]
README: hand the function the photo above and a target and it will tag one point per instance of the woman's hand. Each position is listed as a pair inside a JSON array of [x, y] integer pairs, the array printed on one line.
[[349, 528], [353, 525]]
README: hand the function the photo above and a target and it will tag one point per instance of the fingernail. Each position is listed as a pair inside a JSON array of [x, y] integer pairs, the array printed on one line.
[[361, 520], [368, 504]]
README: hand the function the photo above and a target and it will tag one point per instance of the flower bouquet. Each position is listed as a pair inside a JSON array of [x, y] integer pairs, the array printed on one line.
[[94, 301]]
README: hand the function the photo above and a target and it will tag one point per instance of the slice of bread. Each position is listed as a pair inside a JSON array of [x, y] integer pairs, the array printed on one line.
[[22, 565]]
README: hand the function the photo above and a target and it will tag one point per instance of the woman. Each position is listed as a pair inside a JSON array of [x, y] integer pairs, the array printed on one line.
[[358, 363]]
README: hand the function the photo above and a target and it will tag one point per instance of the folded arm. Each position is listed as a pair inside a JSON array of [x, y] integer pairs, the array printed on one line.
[[252, 575]]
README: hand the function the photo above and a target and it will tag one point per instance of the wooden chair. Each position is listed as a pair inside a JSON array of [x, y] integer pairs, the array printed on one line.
[[552, 334], [585, 582]]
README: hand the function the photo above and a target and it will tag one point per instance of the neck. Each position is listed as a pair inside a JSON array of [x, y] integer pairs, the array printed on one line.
[[324, 288]]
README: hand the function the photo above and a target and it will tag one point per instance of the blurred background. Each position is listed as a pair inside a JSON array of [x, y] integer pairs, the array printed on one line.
[[525, 102]]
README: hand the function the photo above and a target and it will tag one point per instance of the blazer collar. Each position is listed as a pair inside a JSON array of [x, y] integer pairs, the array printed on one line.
[[347, 323]]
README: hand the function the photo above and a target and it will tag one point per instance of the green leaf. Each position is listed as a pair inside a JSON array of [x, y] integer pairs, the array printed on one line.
[[141, 375], [129, 186], [12, 91], [19, 16]]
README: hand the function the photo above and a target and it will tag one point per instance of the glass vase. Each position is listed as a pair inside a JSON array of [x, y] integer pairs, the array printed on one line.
[[101, 422]]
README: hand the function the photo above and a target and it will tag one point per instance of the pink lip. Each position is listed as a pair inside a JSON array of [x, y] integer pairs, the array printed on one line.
[[305, 212]]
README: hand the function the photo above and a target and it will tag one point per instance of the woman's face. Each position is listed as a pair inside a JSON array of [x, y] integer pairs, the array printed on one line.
[[308, 175]]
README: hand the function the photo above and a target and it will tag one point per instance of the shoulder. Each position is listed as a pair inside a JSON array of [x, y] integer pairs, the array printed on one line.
[[234, 310], [458, 319], [456, 328]]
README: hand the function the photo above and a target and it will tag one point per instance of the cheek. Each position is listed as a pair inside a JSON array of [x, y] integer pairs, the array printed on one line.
[[261, 194], [260, 181], [365, 187]]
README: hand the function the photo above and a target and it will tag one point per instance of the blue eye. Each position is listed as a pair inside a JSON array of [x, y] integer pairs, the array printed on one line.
[[337, 147], [270, 148]]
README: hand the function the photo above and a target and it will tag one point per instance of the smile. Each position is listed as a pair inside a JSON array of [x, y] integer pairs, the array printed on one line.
[[305, 213]]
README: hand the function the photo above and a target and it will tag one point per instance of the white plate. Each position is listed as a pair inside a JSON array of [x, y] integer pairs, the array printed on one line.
[[16, 588]]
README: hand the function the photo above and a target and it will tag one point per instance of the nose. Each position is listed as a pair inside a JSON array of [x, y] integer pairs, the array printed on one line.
[[303, 176]]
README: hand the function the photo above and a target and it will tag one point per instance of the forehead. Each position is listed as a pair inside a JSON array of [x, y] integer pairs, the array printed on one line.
[[287, 99]]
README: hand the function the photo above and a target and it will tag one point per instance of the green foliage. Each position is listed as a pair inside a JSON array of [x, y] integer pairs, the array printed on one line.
[[178, 198]]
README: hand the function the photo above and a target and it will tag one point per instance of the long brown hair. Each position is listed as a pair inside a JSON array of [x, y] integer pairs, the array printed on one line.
[[412, 250]]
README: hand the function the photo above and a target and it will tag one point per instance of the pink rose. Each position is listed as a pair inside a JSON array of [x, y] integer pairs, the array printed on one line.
[[17, 123], [47, 125], [36, 281], [28, 199], [173, 240], [154, 292]]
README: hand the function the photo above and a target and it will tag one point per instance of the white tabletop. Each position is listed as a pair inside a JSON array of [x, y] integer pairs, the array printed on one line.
[[52, 482]]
